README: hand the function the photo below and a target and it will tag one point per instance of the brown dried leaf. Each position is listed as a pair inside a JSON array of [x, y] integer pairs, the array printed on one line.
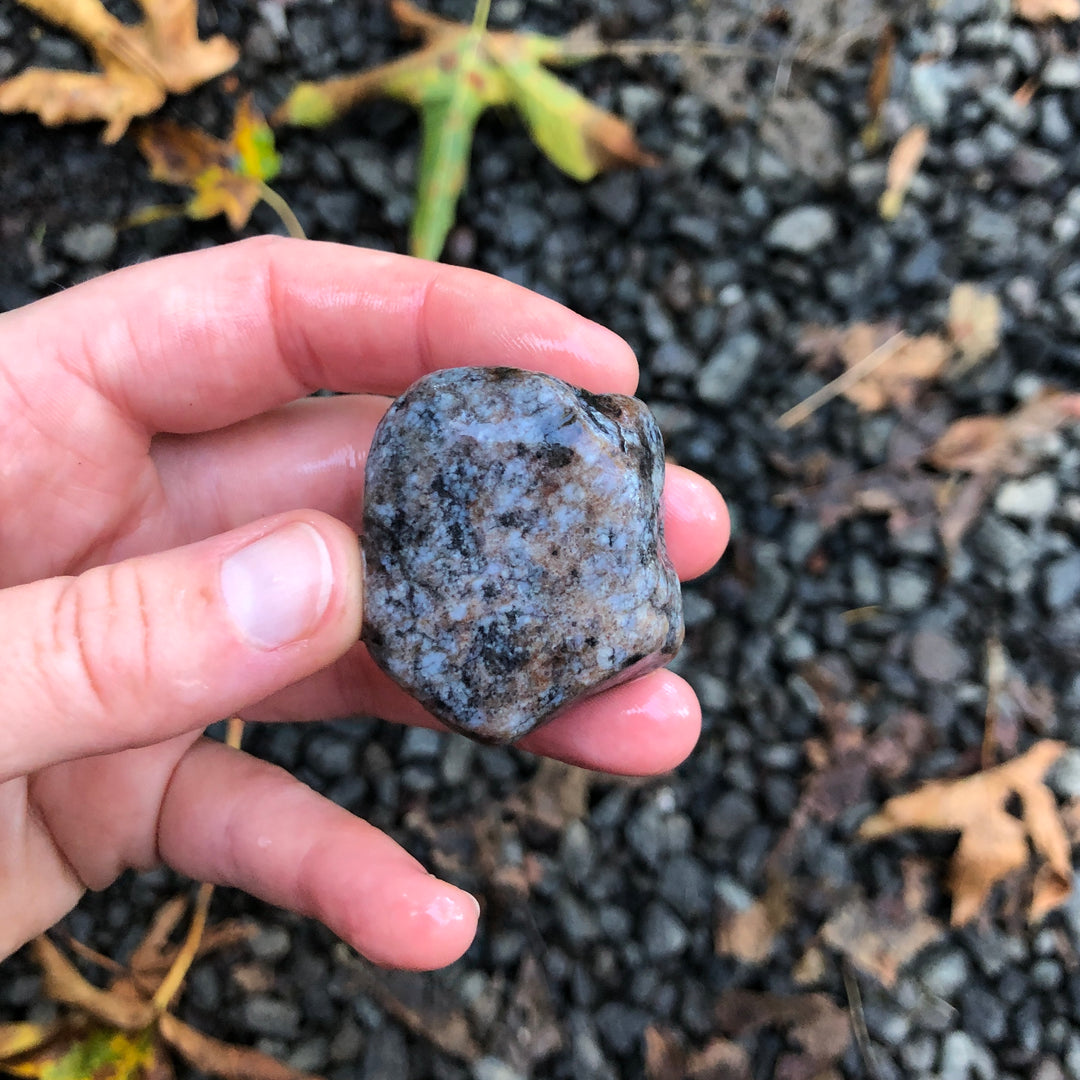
[[1004, 444], [223, 1059], [815, 1023], [749, 935], [140, 64], [898, 371], [974, 322], [880, 937], [810, 968], [993, 844], [666, 1058], [897, 380], [557, 795], [904, 163], [1039, 11]]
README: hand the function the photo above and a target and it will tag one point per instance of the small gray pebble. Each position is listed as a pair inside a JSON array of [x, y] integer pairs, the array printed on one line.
[[89, 243], [802, 230], [1030, 499], [729, 369], [1061, 582], [272, 1017]]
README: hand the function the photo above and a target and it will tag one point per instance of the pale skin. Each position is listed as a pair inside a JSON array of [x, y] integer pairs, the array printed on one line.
[[125, 627]]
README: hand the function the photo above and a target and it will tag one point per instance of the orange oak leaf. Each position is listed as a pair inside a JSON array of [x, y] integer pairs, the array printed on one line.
[[993, 843]]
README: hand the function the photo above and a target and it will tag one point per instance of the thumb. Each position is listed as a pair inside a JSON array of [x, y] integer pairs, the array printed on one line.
[[142, 650]]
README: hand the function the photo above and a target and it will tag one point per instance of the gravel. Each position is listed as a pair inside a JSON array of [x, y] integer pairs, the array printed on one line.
[[755, 223]]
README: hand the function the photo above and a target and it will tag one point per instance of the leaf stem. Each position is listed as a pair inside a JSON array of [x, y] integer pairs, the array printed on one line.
[[174, 977], [282, 209], [480, 14]]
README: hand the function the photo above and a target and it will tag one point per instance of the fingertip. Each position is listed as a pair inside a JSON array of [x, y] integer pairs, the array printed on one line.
[[419, 924], [619, 365], [697, 524], [642, 728]]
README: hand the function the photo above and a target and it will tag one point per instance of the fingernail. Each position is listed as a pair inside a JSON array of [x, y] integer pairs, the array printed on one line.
[[277, 588]]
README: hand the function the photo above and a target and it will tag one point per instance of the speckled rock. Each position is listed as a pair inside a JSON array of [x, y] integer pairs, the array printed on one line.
[[514, 547]]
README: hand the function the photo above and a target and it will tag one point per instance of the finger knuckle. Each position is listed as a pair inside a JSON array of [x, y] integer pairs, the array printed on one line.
[[101, 640]]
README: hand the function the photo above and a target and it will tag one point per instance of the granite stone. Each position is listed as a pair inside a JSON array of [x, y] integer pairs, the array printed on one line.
[[514, 547]]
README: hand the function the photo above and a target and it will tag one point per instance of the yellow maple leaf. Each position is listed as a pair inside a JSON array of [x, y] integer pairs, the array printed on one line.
[[227, 175]]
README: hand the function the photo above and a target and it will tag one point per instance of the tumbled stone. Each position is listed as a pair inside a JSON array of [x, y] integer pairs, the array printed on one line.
[[514, 547]]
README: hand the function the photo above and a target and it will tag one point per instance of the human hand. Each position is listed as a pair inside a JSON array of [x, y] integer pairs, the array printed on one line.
[[153, 583]]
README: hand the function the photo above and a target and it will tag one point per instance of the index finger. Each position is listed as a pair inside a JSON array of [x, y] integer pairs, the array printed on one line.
[[198, 341]]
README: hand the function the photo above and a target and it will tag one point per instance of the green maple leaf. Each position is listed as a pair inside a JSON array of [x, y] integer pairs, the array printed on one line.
[[460, 71]]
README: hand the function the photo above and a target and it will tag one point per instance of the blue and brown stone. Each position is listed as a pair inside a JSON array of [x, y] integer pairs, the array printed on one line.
[[514, 547]]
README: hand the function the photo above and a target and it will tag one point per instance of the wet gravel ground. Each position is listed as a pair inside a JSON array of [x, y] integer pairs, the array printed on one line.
[[709, 264]]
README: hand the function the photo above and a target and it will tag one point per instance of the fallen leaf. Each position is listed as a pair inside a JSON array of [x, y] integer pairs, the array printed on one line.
[[974, 322], [460, 72], [818, 1026], [904, 163], [993, 843], [666, 1058], [810, 968], [557, 795], [1009, 444], [123, 1032], [228, 176], [905, 496], [879, 937], [139, 64], [1038, 11], [750, 934], [902, 367], [81, 1051]]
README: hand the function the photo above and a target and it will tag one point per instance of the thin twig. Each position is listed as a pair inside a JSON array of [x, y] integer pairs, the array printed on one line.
[[798, 413], [858, 1021], [282, 209]]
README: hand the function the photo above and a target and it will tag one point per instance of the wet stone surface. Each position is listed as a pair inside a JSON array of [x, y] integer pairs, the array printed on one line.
[[514, 547]]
